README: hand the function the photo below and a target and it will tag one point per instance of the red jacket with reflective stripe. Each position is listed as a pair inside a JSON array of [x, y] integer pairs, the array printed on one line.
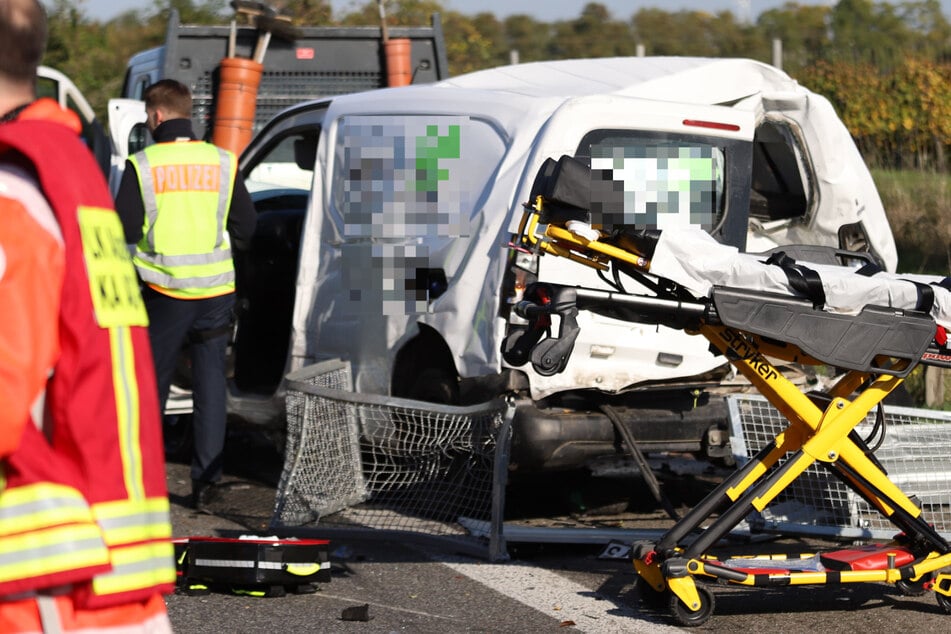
[[86, 502]]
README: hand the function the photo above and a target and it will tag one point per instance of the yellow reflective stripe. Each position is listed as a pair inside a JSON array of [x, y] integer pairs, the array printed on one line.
[[127, 521], [49, 551], [126, 389], [37, 506], [136, 567]]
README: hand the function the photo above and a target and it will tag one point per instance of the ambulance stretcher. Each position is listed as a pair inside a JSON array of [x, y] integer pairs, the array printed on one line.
[[810, 323]]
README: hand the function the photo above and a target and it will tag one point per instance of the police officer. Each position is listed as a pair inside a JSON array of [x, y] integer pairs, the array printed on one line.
[[184, 207], [85, 538]]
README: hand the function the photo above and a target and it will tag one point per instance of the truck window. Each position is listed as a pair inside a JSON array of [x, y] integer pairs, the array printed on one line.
[[138, 89]]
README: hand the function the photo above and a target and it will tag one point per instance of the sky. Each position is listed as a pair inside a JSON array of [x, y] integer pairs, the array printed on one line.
[[543, 10]]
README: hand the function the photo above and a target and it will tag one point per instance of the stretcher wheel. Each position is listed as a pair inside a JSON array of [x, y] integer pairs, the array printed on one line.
[[684, 616], [944, 602], [913, 588]]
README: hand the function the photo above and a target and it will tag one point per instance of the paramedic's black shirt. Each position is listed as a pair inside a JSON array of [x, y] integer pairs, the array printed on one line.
[[241, 216]]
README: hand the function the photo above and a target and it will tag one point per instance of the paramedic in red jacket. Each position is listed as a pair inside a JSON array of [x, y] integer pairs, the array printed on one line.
[[84, 523]]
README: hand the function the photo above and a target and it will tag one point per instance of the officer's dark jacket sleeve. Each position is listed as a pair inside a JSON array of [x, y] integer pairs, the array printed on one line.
[[242, 217], [130, 206]]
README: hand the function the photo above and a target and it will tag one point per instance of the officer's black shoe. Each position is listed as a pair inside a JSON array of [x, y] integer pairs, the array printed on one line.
[[204, 494]]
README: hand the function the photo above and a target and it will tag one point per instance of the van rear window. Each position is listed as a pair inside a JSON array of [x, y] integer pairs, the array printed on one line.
[[407, 193], [656, 186], [412, 176], [657, 179]]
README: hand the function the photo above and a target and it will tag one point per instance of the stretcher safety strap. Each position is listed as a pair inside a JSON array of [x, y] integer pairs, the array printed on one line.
[[802, 279]]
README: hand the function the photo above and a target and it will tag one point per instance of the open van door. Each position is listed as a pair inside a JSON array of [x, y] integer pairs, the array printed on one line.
[[55, 85], [129, 134]]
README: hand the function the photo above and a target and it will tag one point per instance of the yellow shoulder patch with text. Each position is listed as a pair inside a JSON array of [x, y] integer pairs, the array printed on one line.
[[112, 280]]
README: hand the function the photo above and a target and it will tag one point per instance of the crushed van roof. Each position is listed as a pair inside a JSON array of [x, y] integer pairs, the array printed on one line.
[[701, 80]]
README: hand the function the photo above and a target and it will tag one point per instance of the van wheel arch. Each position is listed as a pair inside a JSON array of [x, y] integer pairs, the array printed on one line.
[[424, 370]]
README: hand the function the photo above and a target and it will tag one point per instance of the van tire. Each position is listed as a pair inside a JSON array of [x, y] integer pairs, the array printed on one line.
[[435, 385], [424, 370]]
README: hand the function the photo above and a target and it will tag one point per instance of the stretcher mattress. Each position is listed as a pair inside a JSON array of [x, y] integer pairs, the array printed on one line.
[[693, 259]]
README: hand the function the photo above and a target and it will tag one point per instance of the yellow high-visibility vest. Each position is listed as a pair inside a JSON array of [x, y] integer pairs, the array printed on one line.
[[185, 250]]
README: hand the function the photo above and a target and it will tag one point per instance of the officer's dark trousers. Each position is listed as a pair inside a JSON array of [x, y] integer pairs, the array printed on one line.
[[203, 324]]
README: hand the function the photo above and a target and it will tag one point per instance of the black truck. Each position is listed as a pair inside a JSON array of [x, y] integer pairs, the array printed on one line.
[[320, 61]]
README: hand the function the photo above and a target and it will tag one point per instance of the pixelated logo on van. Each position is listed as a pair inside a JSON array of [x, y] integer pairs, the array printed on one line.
[[658, 186], [399, 185]]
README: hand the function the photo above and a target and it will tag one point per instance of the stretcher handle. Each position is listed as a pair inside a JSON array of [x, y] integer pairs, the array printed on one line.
[[604, 301], [662, 309]]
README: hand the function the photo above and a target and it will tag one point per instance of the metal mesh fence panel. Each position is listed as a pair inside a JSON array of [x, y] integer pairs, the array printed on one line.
[[915, 453], [367, 461]]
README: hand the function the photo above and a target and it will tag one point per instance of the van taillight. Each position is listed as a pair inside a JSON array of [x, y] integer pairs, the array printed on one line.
[[697, 123]]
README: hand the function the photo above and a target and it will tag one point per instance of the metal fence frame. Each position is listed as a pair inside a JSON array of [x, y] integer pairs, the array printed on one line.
[[818, 504], [330, 382]]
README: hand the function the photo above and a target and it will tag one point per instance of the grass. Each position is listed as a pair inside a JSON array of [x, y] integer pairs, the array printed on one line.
[[918, 205]]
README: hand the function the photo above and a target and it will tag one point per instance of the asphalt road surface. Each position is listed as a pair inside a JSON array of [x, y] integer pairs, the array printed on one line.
[[427, 588]]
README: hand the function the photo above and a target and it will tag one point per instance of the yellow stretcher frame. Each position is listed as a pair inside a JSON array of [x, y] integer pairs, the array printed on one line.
[[816, 432]]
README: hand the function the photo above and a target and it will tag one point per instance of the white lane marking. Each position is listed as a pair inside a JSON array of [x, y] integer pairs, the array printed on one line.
[[385, 606], [558, 597]]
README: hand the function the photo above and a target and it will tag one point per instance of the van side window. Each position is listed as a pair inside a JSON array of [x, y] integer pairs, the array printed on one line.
[[781, 183], [289, 162], [47, 87], [88, 132], [139, 88]]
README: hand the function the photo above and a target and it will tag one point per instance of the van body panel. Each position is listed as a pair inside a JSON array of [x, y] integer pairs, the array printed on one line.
[[415, 194]]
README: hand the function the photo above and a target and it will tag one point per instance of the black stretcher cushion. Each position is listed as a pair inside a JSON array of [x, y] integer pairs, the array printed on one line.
[[852, 342]]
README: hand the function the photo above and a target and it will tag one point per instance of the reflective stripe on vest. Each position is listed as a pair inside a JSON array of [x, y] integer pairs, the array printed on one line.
[[137, 529], [51, 551], [137, 566], [38, 506], [47, 528], [180, 250], [126, 389], [138, 534], [128, 521]]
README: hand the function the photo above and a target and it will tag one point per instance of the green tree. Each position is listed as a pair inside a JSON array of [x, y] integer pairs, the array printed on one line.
[[594, 33], [696, 33], [866, 31], [528, 37], [803, 30], [310, 12]]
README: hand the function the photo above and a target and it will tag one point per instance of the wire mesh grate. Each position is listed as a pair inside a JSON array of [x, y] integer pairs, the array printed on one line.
[[915, 453], [384, 463]]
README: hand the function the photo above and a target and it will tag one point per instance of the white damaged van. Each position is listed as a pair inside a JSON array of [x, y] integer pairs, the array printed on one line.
[[385, 221]]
